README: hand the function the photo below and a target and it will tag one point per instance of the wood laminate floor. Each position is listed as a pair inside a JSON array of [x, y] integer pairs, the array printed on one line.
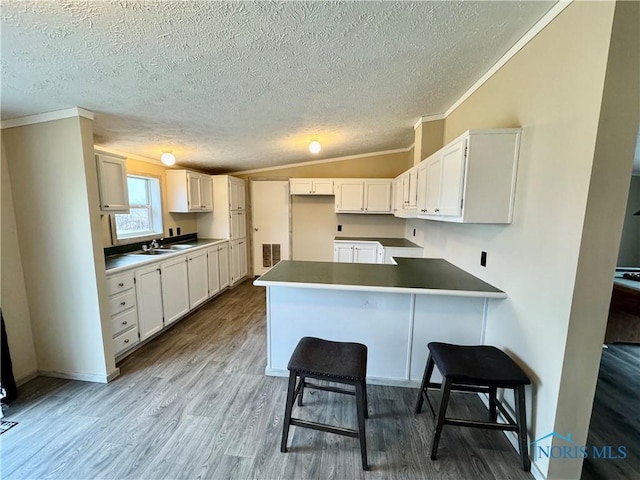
[[195, 403], [615, 419]]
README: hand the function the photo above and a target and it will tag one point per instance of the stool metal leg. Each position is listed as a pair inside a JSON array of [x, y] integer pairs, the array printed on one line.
[[291, 392], [361, 405], [366, 401], [301, 390], [444, 401], [521, 415], [492, 404], [428, 371]]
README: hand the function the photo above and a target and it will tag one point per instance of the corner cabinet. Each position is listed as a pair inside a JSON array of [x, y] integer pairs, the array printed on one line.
[[189, 192], [363, 196], [112, 183], [472, 179]]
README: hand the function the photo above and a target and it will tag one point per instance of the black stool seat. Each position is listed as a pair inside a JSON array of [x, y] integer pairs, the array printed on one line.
[[337, 362], [477, 368], [324, 358], [477, 365]]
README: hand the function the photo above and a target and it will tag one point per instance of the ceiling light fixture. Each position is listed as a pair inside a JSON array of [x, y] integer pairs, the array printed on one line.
[[168, 158], [314, 146]]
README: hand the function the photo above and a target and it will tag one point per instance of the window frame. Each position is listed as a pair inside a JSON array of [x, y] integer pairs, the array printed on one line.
[[154, 194]]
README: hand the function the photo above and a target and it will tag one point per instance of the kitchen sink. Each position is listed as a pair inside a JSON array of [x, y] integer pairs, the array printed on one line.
[[152, 252], [181, 246]]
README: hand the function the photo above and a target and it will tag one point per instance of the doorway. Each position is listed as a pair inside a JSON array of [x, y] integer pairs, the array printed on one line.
[[271, 223]]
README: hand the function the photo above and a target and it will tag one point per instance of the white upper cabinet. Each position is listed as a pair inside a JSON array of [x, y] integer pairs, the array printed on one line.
[[112, 183], [377, 196], [311, 186], [407, 198], [472, 179], [237, 194], [349, 195], [189, 192], [363, 195]]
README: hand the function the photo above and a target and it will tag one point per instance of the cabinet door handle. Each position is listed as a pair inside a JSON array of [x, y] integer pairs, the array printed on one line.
[[106, 206], [124, 323], [123, 303], [121, 284], [126, 341], [437, 209]]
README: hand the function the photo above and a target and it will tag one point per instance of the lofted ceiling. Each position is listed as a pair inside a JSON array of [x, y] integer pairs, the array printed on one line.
[[231, 86]]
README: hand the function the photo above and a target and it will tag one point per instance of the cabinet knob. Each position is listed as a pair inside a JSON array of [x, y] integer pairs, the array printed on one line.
[[121, 284], [106, 206], [124, 323], [126, 341], [437, 209], [123, 303]]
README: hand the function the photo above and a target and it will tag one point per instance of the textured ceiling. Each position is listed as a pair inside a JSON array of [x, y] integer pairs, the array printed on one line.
[[240, 85]]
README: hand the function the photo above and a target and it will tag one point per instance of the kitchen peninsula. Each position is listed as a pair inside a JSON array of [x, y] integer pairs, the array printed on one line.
[[394, 309]]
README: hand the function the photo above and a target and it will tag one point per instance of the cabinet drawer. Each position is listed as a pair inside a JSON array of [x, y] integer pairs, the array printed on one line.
[[119, 283], [122, 302], [125, 340], [123, 321]]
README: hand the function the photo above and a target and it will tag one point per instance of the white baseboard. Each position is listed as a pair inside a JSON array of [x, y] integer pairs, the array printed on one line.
[[84, 377], [512, 437], [389, 382]]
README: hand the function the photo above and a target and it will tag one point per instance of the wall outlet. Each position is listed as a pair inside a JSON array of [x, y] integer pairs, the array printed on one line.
[[483, 259], [339, 228]]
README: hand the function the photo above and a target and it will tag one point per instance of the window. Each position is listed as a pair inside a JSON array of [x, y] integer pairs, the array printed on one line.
[[145, 210]]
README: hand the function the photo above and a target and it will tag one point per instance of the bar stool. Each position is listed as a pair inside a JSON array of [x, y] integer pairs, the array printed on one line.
[[338, 362], [479, 368]]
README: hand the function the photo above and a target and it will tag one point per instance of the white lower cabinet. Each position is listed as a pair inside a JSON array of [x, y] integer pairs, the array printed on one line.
[[238, 262], [197, 269], [365, 252], [149, 298], [144, 301], [175, 288], [223, 264], [123, 316], [218, 268]]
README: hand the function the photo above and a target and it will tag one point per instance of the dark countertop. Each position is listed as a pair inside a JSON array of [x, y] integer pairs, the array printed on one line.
[[384, 241], [410, 275], [115, 263], [633, 286]]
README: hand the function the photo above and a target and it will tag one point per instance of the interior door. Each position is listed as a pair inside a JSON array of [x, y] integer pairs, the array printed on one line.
[[270, 217]]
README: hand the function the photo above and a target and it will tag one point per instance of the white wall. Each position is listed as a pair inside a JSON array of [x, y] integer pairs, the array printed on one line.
[[13, 296], [559, 251], [55, 197]]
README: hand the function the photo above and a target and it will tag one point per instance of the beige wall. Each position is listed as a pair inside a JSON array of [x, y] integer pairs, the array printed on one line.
[[629, 254], [429, 138], [553, 89], [186, 221], [13, 295], [55, 197], [314, 221]]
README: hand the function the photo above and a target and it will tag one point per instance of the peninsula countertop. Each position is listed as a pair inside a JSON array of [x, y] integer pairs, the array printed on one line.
[[427, 276]]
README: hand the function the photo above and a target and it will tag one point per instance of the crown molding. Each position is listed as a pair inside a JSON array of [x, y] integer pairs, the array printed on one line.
[[132, 156], [46, 117], [326, 160], [429, 118]]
